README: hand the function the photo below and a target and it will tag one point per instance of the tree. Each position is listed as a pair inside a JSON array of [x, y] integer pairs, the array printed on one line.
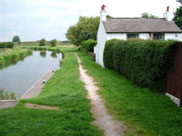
[[53, 42], [42, 42], [178, 15], [147, 15], [85, 29], [180, 1], [16, 39]]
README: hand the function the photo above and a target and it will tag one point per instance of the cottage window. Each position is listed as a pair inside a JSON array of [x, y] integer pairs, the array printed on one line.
[[129, 36], [158, 36]]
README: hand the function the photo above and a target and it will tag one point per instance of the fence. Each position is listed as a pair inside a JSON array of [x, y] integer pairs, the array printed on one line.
[[174, 77]]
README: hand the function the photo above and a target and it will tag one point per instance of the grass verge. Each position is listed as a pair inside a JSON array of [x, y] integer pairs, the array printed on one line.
[[63, 90], [11, 56], [145, 112]]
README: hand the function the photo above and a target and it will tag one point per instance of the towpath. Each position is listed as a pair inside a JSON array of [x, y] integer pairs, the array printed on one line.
[[103, 120]]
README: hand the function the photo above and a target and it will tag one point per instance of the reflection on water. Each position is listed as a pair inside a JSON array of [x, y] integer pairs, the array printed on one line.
[[54, 54], [20, 77], [43, 54]]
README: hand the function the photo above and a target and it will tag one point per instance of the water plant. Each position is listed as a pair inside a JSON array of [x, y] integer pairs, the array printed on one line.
[[5, 95]]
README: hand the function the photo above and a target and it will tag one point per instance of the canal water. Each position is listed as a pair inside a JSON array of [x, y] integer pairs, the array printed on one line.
[[20, 77]]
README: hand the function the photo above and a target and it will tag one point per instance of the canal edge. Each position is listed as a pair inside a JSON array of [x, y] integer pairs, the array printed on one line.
[[25, 95]]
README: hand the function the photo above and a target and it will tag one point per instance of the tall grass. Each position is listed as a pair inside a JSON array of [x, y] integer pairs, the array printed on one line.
[[11, 56], [4, 95]]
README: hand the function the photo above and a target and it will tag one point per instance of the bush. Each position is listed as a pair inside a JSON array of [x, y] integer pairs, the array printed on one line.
[[143, 62], [6, 45], [42, 42], [53, 42], [88, 45]]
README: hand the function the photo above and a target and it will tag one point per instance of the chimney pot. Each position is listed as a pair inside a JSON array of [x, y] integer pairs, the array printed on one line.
[[103, 7], [167, 14], [103, 13], [167, 8]]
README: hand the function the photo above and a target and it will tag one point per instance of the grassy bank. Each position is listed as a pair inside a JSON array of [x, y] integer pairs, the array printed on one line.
[[145, 112], [63, 90], [11, 56]]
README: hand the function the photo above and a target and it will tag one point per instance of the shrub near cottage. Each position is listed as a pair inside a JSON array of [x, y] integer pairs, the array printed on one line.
[[88, 45], [144, 62]]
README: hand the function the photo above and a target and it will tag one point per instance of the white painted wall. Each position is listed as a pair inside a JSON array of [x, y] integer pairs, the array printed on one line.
[[144, 36], [121, 36], [179, 35], [170, 36], [173, 36], [99, 48]]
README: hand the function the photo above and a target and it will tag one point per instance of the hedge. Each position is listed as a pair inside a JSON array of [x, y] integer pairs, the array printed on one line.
[[6, 45], [88, 45], [144, 62]]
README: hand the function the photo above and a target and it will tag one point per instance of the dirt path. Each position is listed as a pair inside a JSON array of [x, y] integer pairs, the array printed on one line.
[[103, 120], [36, 106], [7, 103]]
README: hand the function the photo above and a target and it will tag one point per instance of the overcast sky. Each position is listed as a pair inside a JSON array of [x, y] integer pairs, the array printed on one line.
[[49, 19]]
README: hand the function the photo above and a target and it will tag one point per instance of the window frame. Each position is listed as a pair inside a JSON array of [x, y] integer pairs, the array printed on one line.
[[132, 35], [158, 36]]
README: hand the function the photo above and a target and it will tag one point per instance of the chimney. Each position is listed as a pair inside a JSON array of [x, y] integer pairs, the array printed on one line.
[[103, 13], [167, 8], [167, 14]]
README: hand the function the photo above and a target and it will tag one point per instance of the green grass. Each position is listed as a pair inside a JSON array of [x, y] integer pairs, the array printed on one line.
[[63, 90], [145, 112], [11, 56]]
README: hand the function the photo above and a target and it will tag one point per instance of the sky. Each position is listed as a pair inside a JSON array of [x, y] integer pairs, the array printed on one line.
[[36, 19]]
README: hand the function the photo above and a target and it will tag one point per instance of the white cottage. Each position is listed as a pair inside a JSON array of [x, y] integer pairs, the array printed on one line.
[[126, 28]]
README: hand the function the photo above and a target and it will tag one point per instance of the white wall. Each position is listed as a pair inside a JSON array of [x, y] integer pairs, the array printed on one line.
[[121, 36], [173, 36], [144, 36], [170, 36], [101, 40], [179, 36]]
